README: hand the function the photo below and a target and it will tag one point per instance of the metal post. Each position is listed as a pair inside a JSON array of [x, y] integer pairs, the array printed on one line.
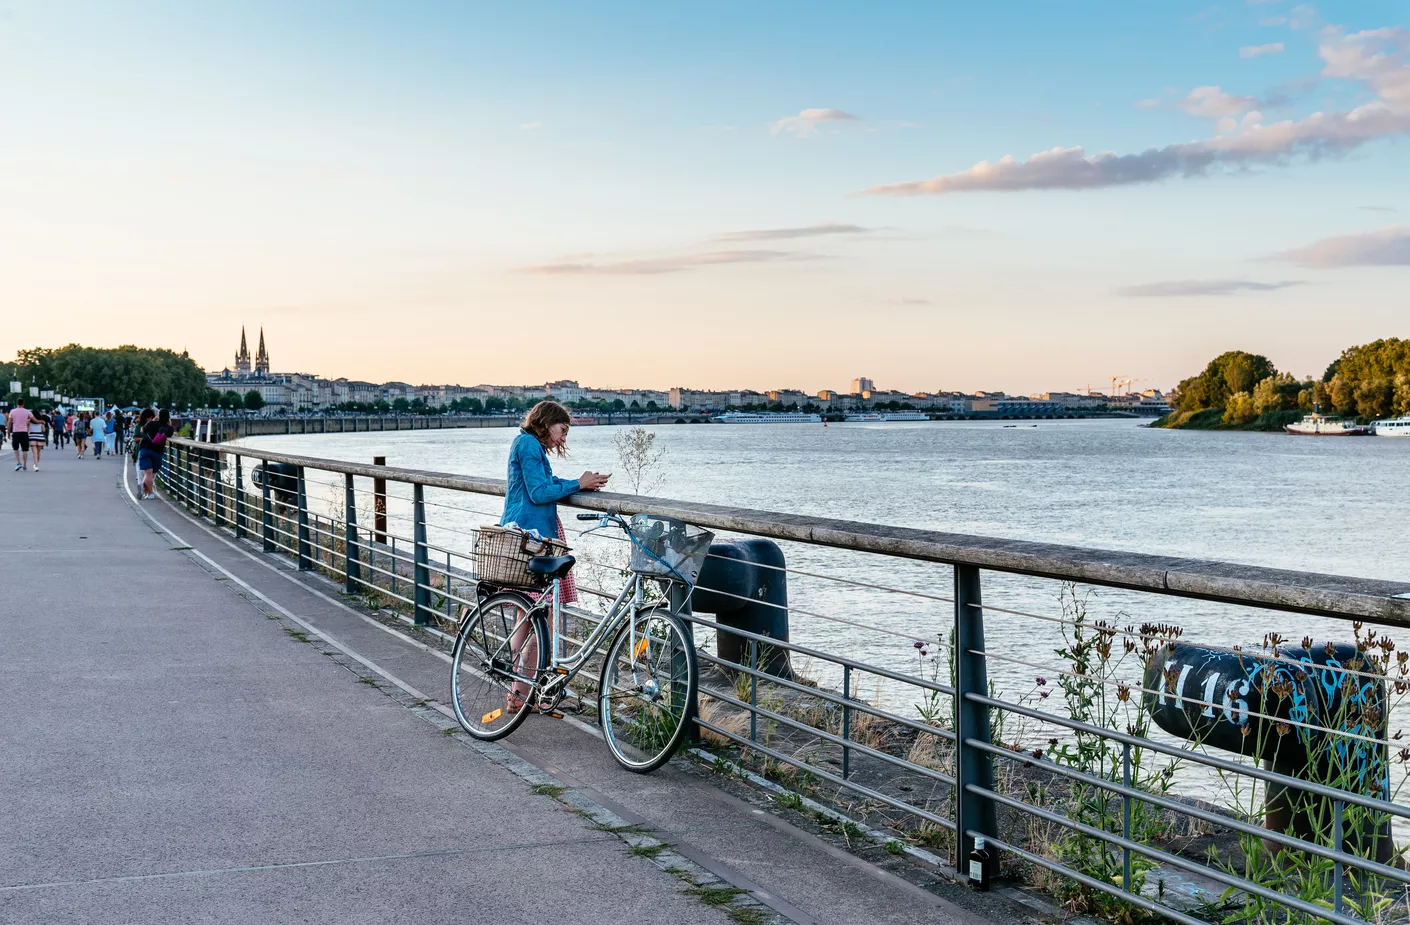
[[392, 564], [379, 504], [1126, 816], [973, 766], [266, 512], [679, 601], [218, 484], [239, 499], [304, 564], [753, 690], [352, 569], [202, 485], [421, 574], [448, 589], [1337, 868], [846, 720]]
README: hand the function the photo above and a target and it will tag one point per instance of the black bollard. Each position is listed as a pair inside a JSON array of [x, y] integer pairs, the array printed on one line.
[[744, 585], [283, 481], [1211, 697]]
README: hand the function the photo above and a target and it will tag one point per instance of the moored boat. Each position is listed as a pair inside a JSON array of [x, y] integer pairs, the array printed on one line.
[[905, 416], [767, 417], [864, 417], [1392, 427], [1318, 425]]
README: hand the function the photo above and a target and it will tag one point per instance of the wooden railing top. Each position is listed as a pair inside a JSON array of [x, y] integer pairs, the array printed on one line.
[[1373, 600]]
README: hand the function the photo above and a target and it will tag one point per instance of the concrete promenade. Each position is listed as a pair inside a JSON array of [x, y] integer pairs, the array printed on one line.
[[192, 732]]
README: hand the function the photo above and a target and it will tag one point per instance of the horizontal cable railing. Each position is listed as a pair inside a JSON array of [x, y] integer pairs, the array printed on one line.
[[894, 703]]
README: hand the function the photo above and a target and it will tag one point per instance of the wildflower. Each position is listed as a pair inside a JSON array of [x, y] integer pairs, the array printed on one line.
[[1123, 692], [1044, 694], [1282, 729], [918, 644], [1042, 681], [1037, 753], [1053, 741], [1404, 755], [1244, 730]]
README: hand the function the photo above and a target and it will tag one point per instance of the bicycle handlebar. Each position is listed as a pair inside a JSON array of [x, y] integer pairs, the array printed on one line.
[[588, 516]]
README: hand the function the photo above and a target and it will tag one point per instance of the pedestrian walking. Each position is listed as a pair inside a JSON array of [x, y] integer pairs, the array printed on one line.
[[97, 432], [68, 425], [109, 433], [38, 428], [19, 418], [119, 432], [152, 450], [80, 433]]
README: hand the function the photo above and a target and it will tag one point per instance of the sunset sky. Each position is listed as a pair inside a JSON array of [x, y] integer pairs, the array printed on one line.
[[1014, 196]]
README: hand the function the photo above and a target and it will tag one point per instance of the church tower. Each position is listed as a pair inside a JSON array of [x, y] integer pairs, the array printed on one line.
[[242, 359], [262, 357]]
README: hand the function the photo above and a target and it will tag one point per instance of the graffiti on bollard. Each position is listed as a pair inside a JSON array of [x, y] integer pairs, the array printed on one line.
[[1313, 712]]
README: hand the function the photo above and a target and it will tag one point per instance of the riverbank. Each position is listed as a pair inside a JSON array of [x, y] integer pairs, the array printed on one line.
[[1213, 419]]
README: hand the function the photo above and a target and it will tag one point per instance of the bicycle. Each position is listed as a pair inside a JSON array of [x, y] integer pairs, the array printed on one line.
[[509, 661]]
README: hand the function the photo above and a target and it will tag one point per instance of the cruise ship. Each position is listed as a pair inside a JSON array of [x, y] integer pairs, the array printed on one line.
[[767, 417], [905, 416], [1316, 425], [1392, 427], [864, 417]]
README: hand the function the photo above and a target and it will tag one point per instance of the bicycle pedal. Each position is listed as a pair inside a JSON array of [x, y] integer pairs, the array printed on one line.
[[560, 671], [556, 715]]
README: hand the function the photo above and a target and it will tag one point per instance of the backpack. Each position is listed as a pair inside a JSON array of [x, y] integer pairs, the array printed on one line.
[[159, 440]]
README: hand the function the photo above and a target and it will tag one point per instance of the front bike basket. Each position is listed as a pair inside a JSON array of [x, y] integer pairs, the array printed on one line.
[[663, 547]]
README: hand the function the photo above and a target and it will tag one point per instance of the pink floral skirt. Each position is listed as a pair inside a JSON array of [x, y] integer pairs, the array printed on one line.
[[568, 588]]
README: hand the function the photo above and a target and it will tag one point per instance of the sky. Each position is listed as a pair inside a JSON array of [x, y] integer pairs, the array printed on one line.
[[1017, 196]]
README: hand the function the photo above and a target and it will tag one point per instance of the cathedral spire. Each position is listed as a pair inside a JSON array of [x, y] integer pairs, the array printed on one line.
[[242, 359], [262, 357]]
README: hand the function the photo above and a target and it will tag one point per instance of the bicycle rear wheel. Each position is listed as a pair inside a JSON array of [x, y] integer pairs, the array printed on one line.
[[499, 652], [648, 684]]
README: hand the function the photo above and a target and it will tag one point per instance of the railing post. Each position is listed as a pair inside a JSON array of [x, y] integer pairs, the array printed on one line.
[[265, 512], [303, 556], [421, 574], [973, 766], [352, 569], [218, 484], [239, 498], [379, 504], [846, 720]]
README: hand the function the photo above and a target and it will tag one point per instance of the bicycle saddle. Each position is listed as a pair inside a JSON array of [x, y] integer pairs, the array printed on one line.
[[551, 566]]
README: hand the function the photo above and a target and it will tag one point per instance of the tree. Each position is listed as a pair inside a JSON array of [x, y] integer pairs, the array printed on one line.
[[1238, 409], [254, 400], [232, 400], [212, 398], [494, 404], [1266, 396], [618, 405], [651, 405], [401, 406], [1227, 374]]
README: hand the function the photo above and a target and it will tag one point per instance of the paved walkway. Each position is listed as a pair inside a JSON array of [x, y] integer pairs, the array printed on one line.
[[172, 753]]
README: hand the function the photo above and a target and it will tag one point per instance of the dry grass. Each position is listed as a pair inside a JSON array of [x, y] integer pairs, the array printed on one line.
[[721, 714], [930, 751]]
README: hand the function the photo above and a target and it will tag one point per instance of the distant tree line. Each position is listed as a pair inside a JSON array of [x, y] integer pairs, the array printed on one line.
[[1239, 389], [121, 376]]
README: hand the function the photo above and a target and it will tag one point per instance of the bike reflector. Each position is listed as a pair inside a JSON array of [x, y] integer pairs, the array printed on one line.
[[639, 649], [491, 716]]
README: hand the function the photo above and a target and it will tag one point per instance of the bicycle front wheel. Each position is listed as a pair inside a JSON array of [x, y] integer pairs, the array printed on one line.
[[499, 653], [648, 684]]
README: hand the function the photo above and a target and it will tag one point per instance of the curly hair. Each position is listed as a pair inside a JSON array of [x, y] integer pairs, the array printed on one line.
[[543, 416]]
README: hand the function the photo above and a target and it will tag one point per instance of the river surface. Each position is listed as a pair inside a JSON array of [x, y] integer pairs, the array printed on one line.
[[1336, 506]]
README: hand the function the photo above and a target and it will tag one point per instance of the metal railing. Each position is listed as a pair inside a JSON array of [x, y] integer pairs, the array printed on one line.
[[932, 755]]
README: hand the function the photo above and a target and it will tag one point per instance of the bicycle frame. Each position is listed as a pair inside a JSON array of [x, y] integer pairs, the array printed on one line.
[[628, 603]]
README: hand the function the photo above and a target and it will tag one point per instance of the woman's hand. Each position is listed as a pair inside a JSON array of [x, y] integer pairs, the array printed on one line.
[[592, 481]]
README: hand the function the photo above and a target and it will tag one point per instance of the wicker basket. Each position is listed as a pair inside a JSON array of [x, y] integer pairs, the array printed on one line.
[[502, 556]]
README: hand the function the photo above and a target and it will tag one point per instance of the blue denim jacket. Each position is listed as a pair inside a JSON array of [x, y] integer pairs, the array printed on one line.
[[532, 492]]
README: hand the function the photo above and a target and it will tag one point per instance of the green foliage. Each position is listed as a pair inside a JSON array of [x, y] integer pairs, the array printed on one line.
[[1227, 374], [1368, 381], [120, 376], [254, 400]]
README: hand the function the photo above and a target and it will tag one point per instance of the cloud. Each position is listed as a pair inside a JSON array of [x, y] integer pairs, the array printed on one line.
[[906, 301], [530, 126], [1376, 208], [658, 265], [1389, 247], [1253, 51], [1375, 59], [780, 234], [806, 122], [1194, 287]]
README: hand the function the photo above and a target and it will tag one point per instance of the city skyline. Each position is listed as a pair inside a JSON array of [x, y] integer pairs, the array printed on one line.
[[963, 199]]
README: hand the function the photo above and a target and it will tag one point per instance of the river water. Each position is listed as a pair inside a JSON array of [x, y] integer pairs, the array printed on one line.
[[1337, 506]]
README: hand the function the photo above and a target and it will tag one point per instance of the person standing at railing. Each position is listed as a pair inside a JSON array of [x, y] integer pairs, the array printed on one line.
[[152, 450], [532, 493]]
